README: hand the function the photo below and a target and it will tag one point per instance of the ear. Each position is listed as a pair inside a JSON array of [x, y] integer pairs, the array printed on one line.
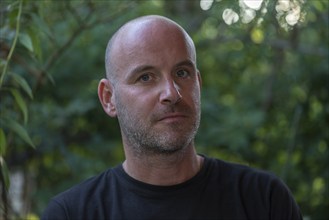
[[199, 79], [106, 97]]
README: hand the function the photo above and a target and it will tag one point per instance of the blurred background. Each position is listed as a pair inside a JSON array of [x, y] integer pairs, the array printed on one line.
[[264, 65]]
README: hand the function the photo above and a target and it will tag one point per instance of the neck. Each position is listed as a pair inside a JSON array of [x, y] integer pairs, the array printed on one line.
[[164, 170]]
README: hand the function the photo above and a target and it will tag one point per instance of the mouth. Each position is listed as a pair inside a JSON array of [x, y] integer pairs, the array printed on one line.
[[173, 117]]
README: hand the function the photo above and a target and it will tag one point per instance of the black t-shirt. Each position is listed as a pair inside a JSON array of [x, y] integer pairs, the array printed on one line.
[[221, 190]]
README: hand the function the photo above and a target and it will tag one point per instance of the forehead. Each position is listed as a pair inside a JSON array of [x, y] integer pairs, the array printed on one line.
[[151, 42]]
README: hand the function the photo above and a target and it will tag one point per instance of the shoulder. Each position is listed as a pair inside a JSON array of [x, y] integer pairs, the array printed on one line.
[[77, 198], [235, 171], [246, 181], [257, 189], [87, 187]]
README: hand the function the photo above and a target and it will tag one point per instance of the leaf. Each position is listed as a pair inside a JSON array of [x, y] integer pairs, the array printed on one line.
[[19, 130], [42, 26], [51, 78], [21, 103], [2, 142], [26, 41], [24, 85], [33, 33], [4, 173]]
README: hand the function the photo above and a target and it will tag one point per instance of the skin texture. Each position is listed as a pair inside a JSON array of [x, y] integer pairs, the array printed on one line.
[[153, 88]]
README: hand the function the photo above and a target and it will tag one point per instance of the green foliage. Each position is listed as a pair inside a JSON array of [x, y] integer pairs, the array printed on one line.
[[9, 86], [264, 96]]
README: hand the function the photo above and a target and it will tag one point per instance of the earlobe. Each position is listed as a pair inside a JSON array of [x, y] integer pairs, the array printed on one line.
[[105, 95]]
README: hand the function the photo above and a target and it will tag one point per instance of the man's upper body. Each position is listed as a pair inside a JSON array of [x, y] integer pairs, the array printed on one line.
[[220, 190], [153, 89]]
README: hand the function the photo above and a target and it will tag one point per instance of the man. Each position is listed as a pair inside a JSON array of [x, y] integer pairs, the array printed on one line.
[[153, 88]]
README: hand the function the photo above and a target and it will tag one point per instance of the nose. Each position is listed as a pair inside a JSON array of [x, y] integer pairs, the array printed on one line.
[[170, 93]]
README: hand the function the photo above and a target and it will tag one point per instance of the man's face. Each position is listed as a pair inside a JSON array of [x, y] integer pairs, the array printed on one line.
[[157, 90]]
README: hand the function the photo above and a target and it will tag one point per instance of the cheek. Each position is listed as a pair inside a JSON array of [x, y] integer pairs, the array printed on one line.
[[135, 101], [195, 99], [193, 92]]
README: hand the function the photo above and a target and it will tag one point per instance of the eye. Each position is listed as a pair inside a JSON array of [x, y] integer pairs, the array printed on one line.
[[182, 73], [144, 78]]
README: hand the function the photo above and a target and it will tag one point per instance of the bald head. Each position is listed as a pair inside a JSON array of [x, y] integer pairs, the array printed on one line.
[[140, 32]]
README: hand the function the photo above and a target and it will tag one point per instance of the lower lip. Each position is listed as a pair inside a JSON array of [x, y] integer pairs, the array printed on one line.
[[173, 119]]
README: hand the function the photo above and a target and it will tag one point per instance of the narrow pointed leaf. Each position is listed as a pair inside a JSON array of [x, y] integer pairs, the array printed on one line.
[[26, 41], [34, 35], [21, 103], [19, 130], [3, 143], [23, 84], [4, 173], [41, 24]]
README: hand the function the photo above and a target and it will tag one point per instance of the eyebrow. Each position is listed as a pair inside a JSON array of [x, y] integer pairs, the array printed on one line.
[[139, 69], [186, 63]]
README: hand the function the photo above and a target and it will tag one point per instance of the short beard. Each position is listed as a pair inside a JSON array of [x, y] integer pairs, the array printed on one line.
[[149, 142], [146, 142]]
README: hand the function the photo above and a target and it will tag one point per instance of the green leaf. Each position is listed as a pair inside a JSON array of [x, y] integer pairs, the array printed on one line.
[[33, 33], [21, 103], [51, 78], [22, 82], [41, 24], [5, 173], [26, 41], [19, 130], [2, 143]]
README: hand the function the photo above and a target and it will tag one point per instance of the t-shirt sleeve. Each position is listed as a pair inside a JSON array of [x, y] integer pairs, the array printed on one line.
[[283, 205], [54, 211]]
